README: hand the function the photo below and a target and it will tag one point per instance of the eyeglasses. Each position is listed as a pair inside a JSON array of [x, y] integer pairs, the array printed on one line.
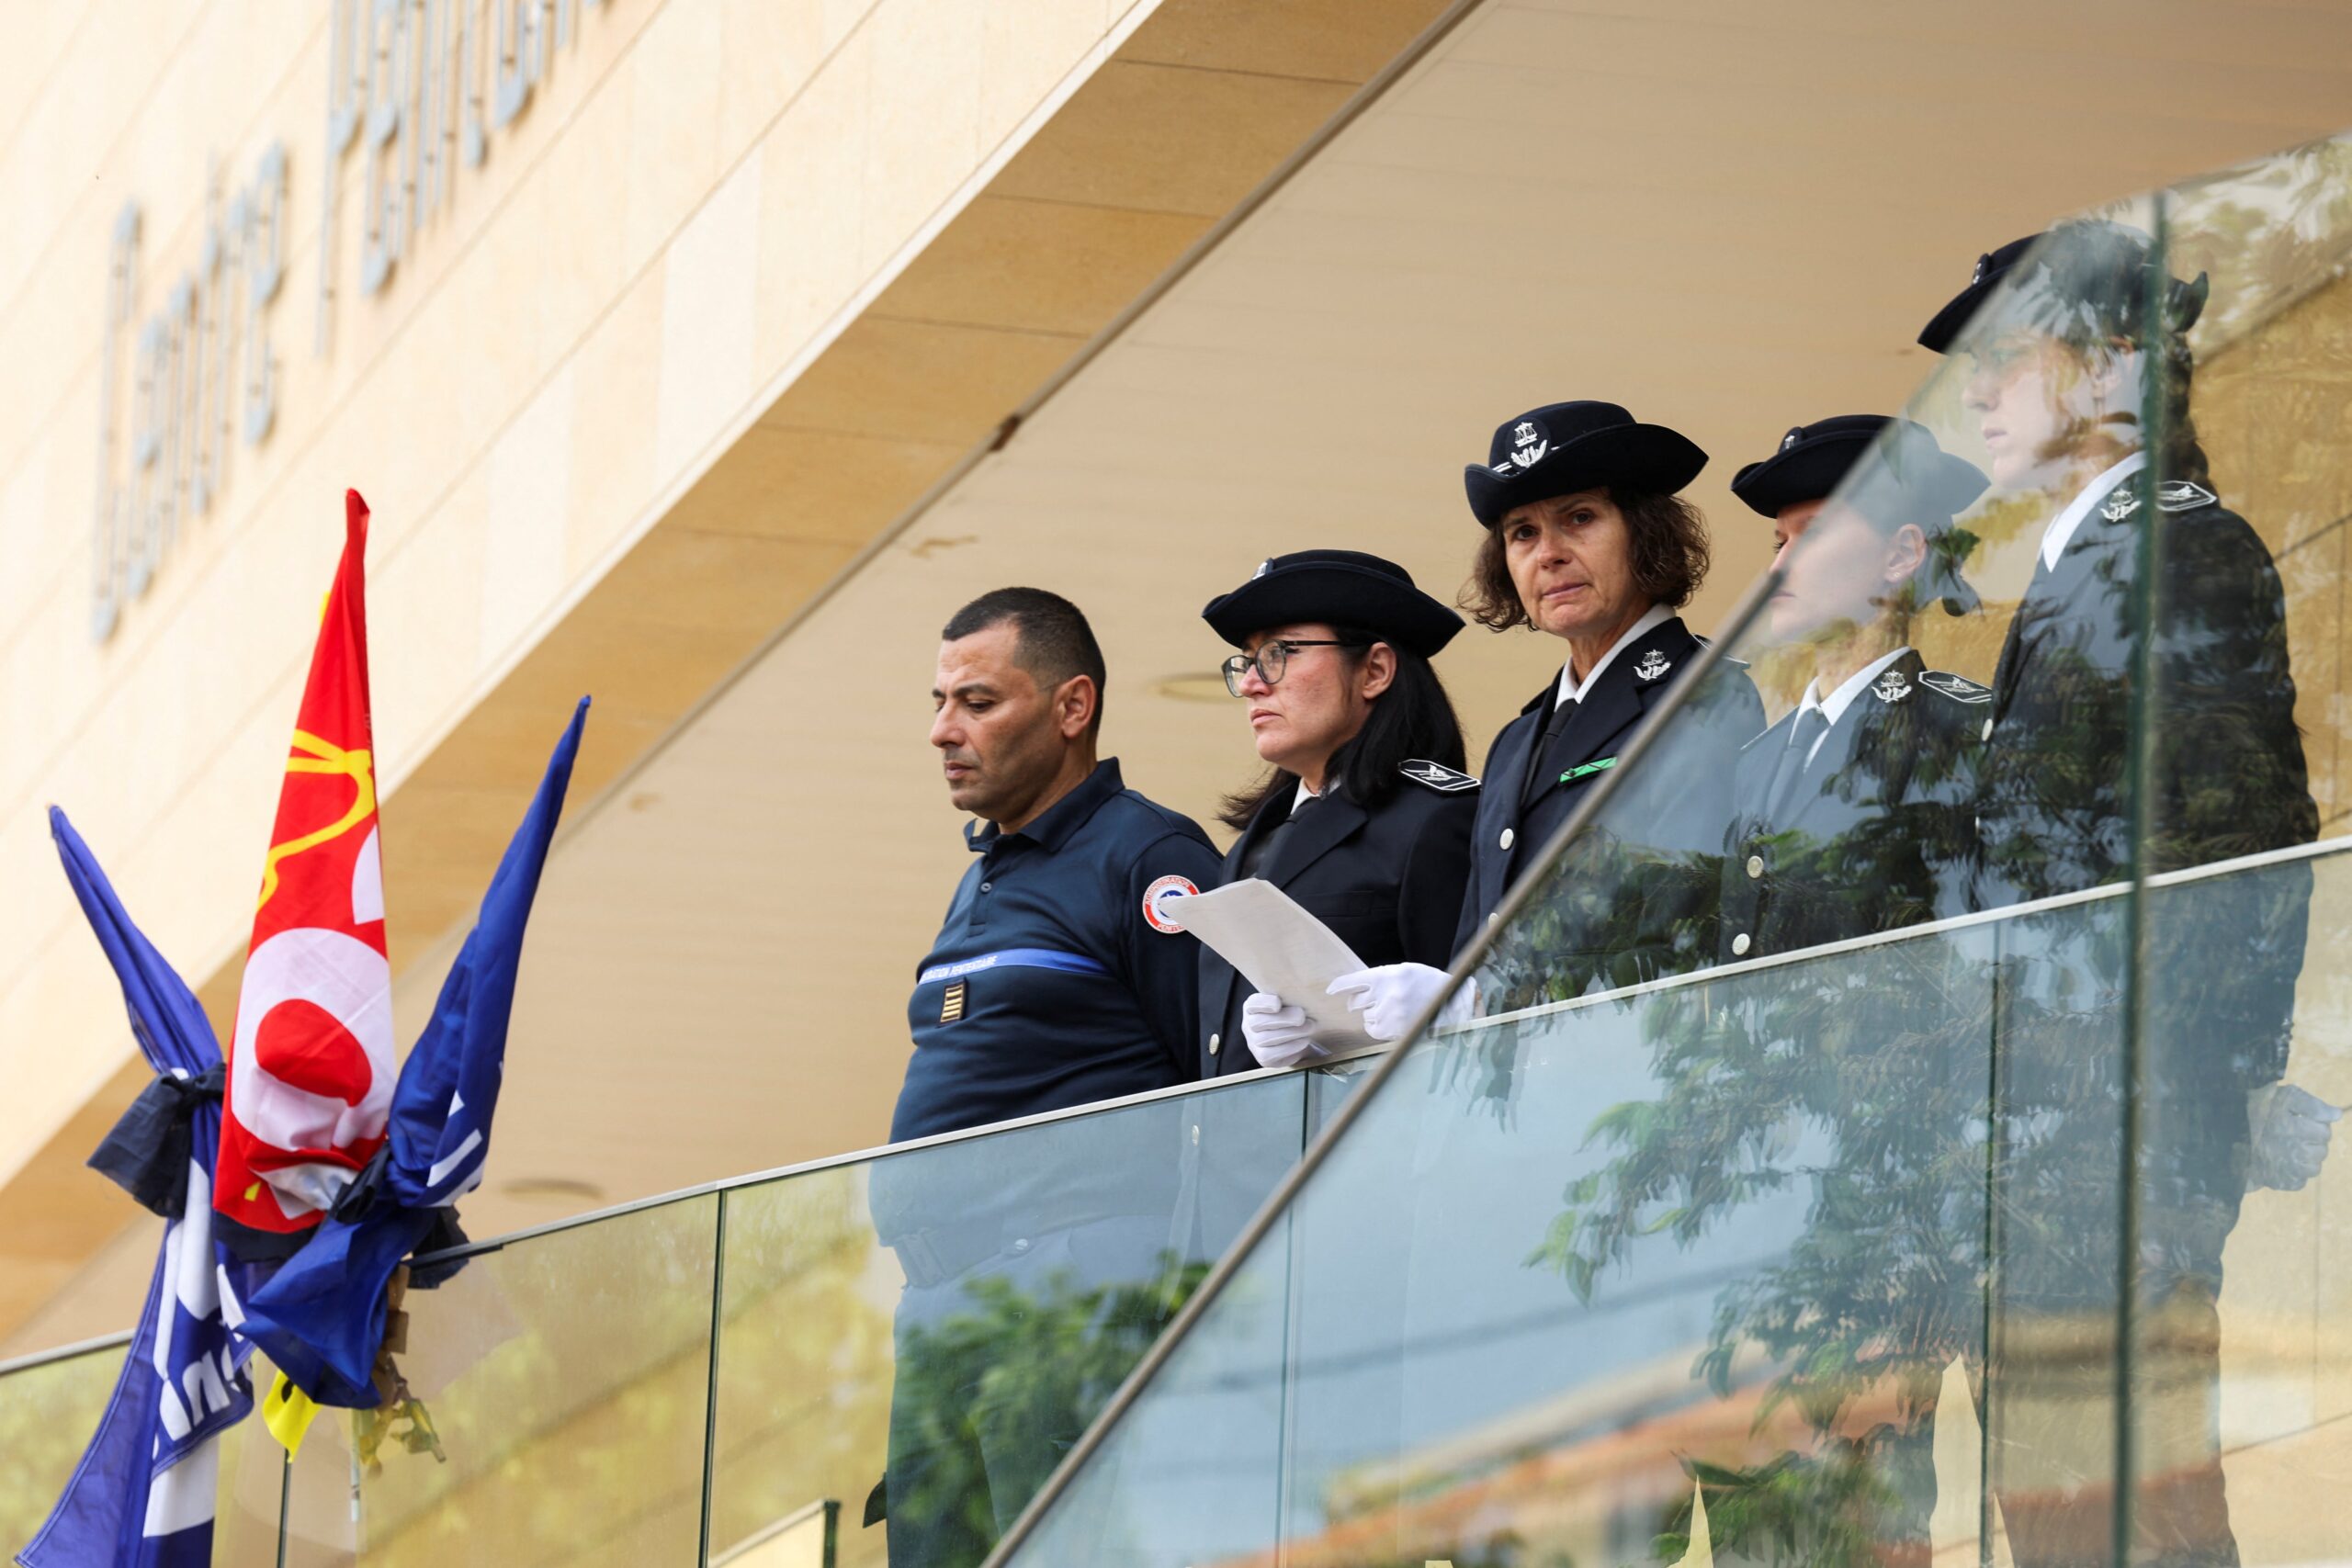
[[1272, 659]]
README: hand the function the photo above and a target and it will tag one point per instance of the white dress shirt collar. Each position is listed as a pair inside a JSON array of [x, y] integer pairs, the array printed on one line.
[[1833, 707], [2061, 531], [1301, 798], [1652, 619]]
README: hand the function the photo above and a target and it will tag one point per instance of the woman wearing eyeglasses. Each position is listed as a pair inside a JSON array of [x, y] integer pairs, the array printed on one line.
[[1365, 818]]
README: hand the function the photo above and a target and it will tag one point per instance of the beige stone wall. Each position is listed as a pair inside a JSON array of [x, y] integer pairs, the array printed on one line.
[[744, 284], [697, 197]]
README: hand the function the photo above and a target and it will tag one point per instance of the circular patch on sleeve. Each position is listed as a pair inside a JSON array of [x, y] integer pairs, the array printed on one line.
[[1166, 886]]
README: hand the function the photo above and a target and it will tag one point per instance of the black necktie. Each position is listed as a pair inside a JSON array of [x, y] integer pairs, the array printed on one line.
[[1811, 726], [1539, 756], [1261, 853]]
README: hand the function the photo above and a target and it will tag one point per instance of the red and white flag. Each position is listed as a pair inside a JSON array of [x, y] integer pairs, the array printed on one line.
[[312, 1062]]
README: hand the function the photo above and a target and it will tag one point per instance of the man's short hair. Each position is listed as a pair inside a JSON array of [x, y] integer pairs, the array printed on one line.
[[1051, 639]]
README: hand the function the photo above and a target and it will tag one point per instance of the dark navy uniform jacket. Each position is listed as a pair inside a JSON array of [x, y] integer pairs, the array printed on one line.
[[1386, 879], [1552, 780], [1050, 984], [2228, 772], [2227, 779], [1876, 832]]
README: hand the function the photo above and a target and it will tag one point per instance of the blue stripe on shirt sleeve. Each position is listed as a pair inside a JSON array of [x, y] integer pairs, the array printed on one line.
[[1016, 958]]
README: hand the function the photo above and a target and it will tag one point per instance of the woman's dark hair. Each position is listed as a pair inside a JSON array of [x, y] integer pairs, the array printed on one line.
[[1670, 556], [1413, 718]]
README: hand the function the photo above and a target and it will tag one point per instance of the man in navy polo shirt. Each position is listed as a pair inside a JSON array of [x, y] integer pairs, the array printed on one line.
[[1055, 981]]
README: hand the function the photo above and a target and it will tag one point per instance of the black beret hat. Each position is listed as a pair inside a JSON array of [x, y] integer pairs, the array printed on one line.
[[1561, 448], [1915, 481], [1344, 588], [2077, 281], [1814, 457]]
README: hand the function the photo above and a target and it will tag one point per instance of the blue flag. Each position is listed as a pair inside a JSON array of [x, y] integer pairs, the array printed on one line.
[[320, 1317], [142, 1495]]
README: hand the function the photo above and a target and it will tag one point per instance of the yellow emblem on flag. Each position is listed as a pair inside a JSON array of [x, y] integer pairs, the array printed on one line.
[[318, 756]]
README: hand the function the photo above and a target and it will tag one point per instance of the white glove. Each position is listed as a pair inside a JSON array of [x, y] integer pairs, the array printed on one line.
[[1277, 1035], [1392, 996], [2289, 1129]]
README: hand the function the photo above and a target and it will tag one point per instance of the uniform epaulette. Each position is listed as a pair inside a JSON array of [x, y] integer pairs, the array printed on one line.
[[1959, 688], [2173, 495], [1437, 776]]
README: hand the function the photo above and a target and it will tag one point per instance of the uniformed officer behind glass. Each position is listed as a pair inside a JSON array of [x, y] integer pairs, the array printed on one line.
[[1053, 981], [1856, 812], [1365, 818], [1853, 815], [2069, 337], [1588, 541]]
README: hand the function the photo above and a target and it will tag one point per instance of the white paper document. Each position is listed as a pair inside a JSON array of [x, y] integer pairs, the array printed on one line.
[[1278, 947]]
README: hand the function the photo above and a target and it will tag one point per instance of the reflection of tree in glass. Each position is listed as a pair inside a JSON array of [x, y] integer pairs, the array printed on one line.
[[1042, 1363], [1862, 1076], [1814, 1508], [2267, 232], [1504, 1550], [805, 1355], [47, 1414], [1634, 897]]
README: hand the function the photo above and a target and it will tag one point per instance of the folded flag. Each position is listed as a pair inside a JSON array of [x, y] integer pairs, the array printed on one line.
[[321, 1317], [142, 1495]]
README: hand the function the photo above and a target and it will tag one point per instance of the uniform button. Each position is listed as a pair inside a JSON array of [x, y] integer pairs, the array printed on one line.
[[1214, 1041], [1196, 1134], [1507, 837], [985, 886], [1756, 865], [1740, 944], [1988, 729], [1021, 1245], [1493, 915]]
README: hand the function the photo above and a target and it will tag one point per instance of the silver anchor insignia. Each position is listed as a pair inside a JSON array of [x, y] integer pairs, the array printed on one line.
[[1892, 687], [1528, 443], [1653, 665]]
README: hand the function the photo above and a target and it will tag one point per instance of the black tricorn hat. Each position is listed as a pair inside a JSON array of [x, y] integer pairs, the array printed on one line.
[[1344, 588], [1814, 457], [1563, 447], [2087, 278]]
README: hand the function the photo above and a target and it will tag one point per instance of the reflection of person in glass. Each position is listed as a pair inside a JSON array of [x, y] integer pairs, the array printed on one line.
[[1364, 819], [1852, 816], [1855, 813], [2074, 340]]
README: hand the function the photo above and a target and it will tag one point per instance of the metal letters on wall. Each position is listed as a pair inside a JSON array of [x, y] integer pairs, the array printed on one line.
[[417, 88]]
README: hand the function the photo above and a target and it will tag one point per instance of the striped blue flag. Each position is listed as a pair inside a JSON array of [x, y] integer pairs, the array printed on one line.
[[142, 1495]]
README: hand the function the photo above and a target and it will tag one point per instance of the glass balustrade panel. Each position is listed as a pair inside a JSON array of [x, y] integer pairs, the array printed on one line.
[[914, 1342], [2238, 1353], [563, 1387], [48, 1411]]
